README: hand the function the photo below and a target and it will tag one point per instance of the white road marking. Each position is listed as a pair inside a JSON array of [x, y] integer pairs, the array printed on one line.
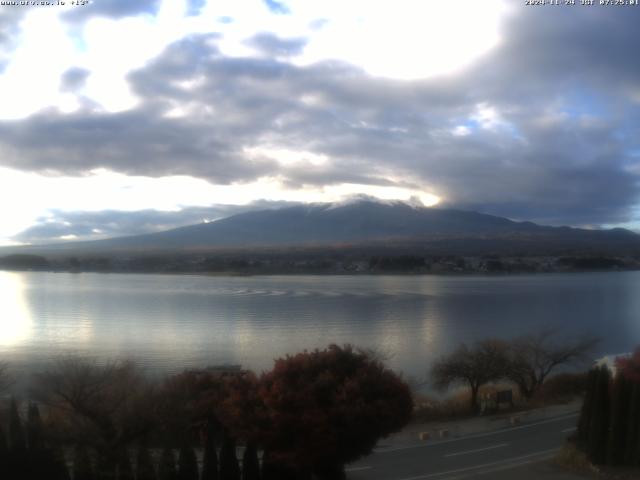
[[499, 468], [457, 454], [478, 435], [356, 469], [485, 465], [568, 429]]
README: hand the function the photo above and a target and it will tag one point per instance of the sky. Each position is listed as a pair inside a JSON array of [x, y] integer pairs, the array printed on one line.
[[121, 117]]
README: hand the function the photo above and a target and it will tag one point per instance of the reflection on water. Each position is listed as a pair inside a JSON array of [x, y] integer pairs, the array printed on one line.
[[15, 319], [171, 322]]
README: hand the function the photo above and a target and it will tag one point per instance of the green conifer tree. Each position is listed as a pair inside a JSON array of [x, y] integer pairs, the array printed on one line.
[[144, 465], [125, 470], [210, 457], [272, 470], [632, 444], [4, 448], [167, 465], [187, 463], [35, 431], [106, 464], [229, 468], [269, 470], [17, 442], [17, 461], [82, 467], [44, 461], [586, 413], [4, 452], [54, 465], [599, 425], [331, 472], [250, 463], [619, 417]]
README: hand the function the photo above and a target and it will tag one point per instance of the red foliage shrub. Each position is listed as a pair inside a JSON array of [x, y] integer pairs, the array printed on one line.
[[329, 407], [630, 366]]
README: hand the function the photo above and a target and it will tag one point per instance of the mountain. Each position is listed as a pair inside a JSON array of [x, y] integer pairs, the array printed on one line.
[[366, 223]]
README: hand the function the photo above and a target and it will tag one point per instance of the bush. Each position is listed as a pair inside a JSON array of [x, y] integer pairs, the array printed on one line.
[[428, 409], [325, 408]]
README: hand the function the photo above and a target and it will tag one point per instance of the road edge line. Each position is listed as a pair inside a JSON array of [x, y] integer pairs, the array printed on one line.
[[479, 435], [505, 462]]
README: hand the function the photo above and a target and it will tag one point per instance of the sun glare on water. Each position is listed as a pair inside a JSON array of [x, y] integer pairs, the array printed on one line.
[[15, 321]]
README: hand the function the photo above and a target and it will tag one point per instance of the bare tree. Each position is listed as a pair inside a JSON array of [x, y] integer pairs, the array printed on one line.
[[533, 357], [483, 362], [378, 354], [6, 379], [104, 406]]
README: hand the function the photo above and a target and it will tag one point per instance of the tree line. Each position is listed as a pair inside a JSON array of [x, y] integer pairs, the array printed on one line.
[[305, 419]]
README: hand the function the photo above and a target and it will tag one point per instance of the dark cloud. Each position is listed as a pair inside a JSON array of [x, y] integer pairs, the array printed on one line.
[[112, 223], [10, 18], [136, 142], [274, 46], [568, 50], [74, 79], [544, 127]]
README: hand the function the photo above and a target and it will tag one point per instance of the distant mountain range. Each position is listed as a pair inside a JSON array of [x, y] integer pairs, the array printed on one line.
[[364, 224]]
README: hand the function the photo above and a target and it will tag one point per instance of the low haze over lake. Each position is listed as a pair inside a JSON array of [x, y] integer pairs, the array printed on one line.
[[169, 322]]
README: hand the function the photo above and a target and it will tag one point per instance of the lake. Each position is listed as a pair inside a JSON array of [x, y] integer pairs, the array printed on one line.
[[170, 322]]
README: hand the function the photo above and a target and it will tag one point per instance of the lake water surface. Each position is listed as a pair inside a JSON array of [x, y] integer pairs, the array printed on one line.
[[169, 322]]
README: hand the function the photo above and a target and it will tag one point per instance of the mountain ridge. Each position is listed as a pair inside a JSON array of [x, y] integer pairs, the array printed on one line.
[[363, 222]]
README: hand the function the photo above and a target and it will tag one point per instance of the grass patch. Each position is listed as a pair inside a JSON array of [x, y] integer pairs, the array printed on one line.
[[562, 388], [571, 458]]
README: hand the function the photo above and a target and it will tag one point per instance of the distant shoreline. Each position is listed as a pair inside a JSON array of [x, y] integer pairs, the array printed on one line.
[[326, 263], [324, 274]]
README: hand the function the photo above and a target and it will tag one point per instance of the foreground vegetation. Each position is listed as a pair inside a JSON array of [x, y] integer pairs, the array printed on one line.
[[311, 414], [609, 426], [606, 444], [305, 419], [525, 362]]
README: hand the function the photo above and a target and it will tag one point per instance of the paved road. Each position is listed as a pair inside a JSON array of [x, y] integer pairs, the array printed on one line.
[[472, 456]]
